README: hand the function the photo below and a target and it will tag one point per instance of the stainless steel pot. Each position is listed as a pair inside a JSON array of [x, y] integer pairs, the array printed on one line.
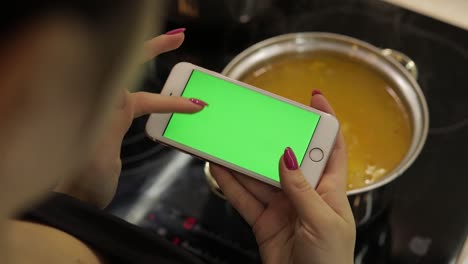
[[369, 201]]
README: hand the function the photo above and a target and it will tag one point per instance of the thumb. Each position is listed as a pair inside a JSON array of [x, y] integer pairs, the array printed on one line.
[[308, 204]]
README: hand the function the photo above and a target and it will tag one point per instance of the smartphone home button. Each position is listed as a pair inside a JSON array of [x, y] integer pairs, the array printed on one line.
[[316, 154]]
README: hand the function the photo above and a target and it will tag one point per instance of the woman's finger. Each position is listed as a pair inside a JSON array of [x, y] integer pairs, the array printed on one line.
[[336, 170], [318, 101], [262, 191], [147, 103], [332, 185], [163, 43], [307, 202], [241, 199]]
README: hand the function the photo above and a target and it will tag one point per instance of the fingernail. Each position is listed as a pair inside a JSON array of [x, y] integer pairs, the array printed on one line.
[[175, 31], [290, 159], [315, 92], [198, 102]]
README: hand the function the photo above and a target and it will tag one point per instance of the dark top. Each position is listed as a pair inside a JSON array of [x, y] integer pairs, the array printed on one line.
[[112, 238]]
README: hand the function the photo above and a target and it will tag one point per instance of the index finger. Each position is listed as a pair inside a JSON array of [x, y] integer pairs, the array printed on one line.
[[146, 103]]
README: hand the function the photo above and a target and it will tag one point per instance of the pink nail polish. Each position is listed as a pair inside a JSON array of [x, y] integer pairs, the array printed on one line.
[[175, 31], [198, 102], [315, 92], [290, 159]]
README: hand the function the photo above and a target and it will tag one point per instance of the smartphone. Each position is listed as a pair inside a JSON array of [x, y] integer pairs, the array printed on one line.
[[243, 128]]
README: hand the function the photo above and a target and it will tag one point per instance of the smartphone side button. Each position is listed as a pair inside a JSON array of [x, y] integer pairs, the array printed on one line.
[[316, 154]]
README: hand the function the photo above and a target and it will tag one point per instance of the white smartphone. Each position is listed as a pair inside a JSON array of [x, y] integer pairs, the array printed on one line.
[[243, 128]]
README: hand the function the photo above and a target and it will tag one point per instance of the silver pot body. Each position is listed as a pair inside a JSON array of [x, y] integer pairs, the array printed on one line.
[[369, 201]]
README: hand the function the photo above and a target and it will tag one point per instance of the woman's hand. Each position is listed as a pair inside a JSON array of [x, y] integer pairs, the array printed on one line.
[[97, 183], [297, 224]]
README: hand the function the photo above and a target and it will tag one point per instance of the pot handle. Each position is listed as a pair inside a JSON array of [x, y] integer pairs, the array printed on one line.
[[404, 60]]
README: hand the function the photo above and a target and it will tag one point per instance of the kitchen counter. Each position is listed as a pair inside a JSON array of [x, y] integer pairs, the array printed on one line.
[[454, 12]]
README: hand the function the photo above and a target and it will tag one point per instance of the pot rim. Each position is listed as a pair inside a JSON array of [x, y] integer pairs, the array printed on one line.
[[417, 142]]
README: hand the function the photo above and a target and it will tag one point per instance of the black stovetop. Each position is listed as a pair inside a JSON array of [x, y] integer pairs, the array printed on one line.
[[166, 192]]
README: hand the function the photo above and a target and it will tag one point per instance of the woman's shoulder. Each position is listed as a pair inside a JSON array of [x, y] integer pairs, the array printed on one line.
[[36, 243]]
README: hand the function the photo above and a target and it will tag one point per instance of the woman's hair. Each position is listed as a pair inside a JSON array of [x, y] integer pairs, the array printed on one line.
[[97, 14], [111, 24]]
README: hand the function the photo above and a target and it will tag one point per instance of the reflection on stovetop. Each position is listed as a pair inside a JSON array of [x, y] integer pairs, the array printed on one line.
[[165, 191], [176, 203]]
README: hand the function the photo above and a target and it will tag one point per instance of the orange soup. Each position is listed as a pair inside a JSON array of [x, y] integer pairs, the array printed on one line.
[[373, 120]]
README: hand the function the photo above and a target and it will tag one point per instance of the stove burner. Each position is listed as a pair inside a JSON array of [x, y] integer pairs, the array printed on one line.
[[447, 108], [143, 155], [137, 147], [139, 155], [373, 241]]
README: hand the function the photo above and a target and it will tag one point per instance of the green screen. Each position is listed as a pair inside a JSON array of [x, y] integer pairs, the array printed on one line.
[[241, 126]]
